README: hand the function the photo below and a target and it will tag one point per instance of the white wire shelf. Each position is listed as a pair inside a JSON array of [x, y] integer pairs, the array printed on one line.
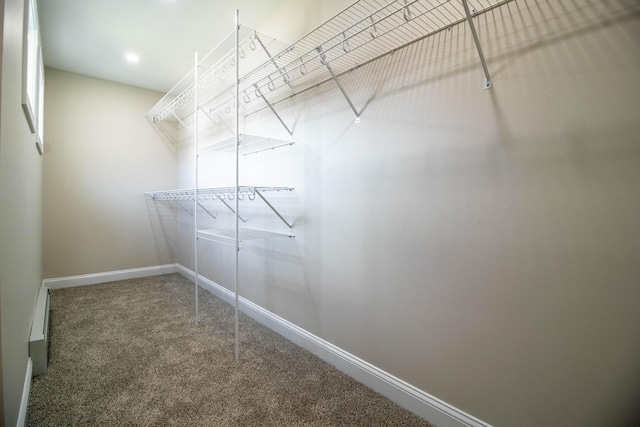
[[213, 193], [361, 33], [215, 73], [223, 194], [248, 144], [364, 31], [227, 236]]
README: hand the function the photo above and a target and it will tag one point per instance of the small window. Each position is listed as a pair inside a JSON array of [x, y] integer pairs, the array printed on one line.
[[33, 72]]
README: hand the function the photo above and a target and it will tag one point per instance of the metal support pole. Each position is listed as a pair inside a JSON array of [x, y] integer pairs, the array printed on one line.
[[195, 198], [324, 61], [259, 93], [237, 134], [488, 84]]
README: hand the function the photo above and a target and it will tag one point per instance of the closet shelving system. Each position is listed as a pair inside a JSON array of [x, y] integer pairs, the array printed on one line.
[[210, 92], [361, 33], [226, 195]]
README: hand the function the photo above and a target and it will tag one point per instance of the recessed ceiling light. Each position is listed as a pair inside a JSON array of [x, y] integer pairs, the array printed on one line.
[[132, 57]]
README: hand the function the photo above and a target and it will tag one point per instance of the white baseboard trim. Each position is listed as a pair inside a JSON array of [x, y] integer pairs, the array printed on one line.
[[26, 389], [404, 394], [109, 276]]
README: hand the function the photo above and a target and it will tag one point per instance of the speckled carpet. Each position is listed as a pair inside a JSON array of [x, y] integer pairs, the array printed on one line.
[[129, 353]]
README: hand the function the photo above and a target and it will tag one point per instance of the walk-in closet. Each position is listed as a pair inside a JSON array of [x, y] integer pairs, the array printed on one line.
[[305, 212]]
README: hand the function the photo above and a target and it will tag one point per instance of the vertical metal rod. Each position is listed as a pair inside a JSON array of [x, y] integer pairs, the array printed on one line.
[[195, 198], [237, 135], [259, 92], [488, 84], [272, 208], [335, 79]]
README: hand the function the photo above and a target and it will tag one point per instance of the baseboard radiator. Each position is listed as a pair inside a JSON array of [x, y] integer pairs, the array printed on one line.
[[39, 337]]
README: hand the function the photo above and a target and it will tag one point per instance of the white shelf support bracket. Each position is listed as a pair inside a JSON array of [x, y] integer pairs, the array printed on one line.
[[283, 74], [166, 133], [488, 84], [178, 119], [208, 116], [273, 110], [324, 61], [272, 208], [230, 208], [207, 211], [184, 209], [220, 120]]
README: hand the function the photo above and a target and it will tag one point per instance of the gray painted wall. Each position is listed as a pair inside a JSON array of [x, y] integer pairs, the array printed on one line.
[[20, 217], [101, 156], [484, 246]]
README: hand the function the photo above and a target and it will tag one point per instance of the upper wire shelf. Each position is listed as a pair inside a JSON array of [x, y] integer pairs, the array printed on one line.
[[364, 31], [361, 33], [215, 73]]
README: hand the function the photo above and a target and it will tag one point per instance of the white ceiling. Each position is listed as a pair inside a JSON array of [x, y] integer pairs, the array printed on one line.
[[92, 37]]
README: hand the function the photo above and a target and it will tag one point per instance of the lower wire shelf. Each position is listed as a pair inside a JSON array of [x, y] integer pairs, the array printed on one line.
[[228, 236], [248, 144]]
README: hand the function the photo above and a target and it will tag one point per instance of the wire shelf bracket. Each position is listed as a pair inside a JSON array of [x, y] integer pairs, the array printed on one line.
[[259, 193], [259, 94], [488, 84], [283, 74], [211, 214], [323, 60], [165, 132], [230, 208]]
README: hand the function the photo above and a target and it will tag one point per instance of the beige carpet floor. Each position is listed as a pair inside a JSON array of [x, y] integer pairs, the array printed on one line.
[[129, 353]]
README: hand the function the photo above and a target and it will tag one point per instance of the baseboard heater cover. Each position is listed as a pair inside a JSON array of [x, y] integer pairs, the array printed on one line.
[[39, 337]]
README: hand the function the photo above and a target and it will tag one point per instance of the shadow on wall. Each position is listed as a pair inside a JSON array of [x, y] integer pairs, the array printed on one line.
[[163, 217]]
